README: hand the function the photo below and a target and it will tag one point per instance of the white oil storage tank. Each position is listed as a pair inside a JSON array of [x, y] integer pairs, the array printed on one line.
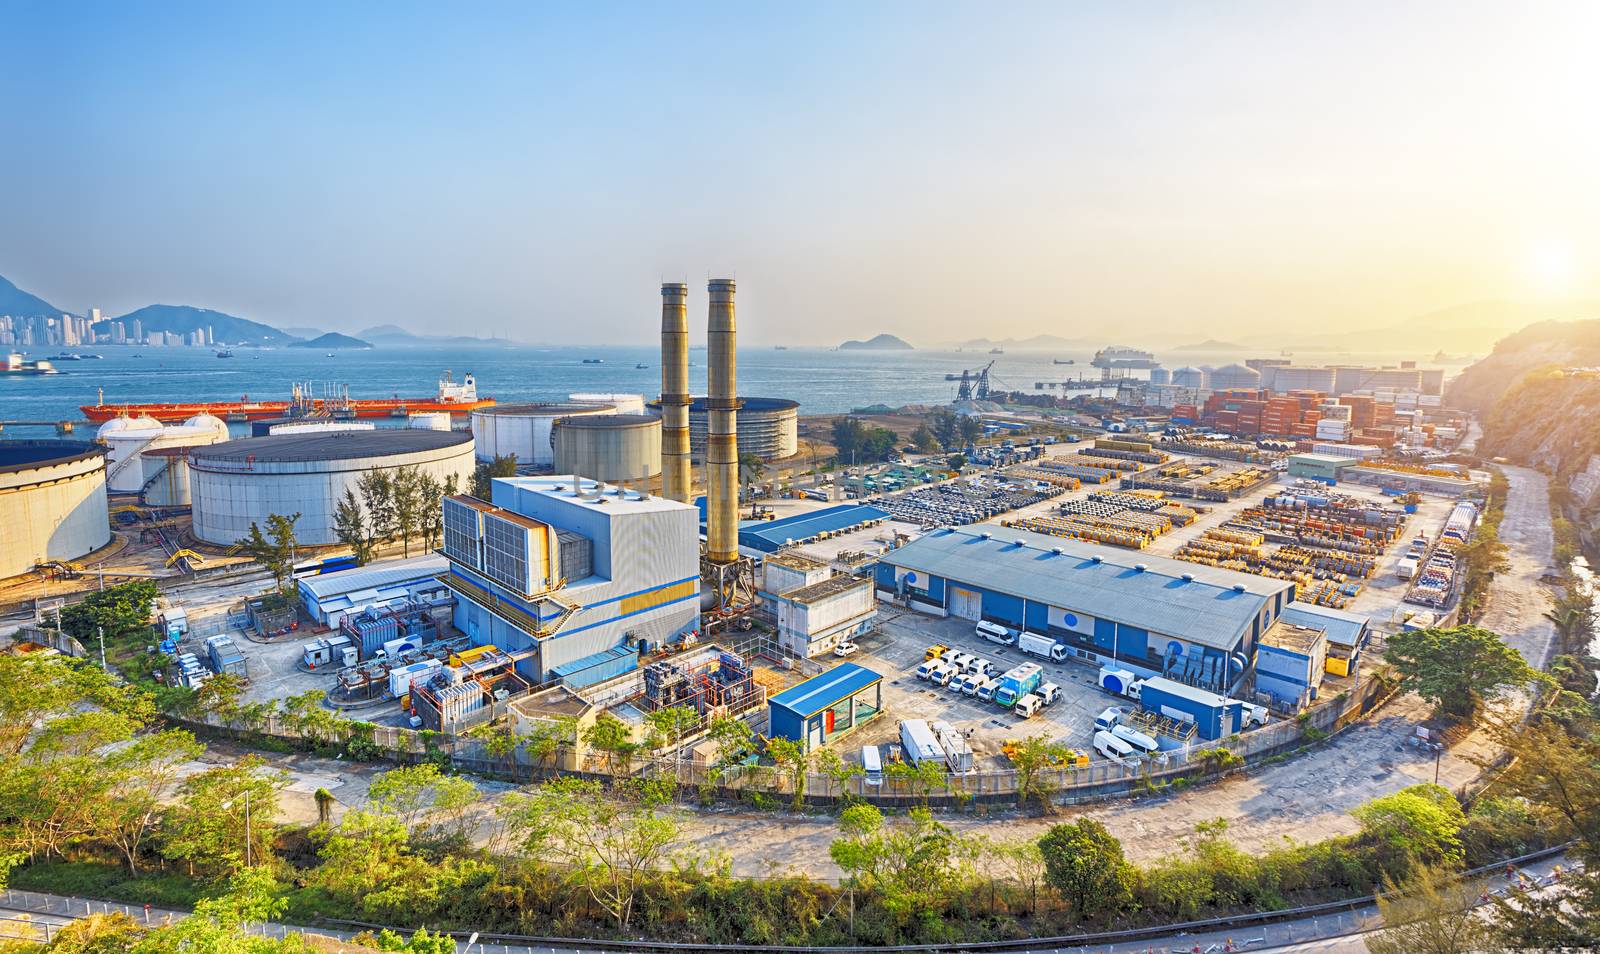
[[617, 448], [624, 403], [1189, 377], [1160, 376], [52, 503], [523, 430], [1235, 376]]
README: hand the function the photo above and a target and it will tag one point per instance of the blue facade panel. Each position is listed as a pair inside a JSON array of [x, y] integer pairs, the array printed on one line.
[[1105, 635], [1036, 617], [1211, 722], [785, 724], [1131, 642], [1002, 608]]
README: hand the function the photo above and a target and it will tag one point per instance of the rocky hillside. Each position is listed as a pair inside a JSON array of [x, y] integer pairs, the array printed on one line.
[[1547, 344], [1547, 419]]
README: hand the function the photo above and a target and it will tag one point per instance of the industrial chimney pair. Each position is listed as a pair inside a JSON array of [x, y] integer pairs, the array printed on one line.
[[722, 405]]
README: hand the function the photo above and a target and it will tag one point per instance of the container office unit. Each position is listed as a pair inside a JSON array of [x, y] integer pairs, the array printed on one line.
[[225, 658], [1212, 715], [816, 710], [814, 619], [1290, 663], [1153, 615]]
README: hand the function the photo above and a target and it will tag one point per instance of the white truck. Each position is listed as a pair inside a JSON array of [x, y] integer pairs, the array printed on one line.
[[918, 743], [1045, 646], [1120, 682]]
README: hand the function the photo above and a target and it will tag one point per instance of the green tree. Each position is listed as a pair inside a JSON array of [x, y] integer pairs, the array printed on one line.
[[612, 844], [406, 488], [1456, 669], [794, 762], [611, 737], [1432, 912], [219, 925], [548, 738], [352, 528], [1418, 824], [922, 438], [919, 778], [912, 868], [377, 497], [1084, 863], [956, 462], [144, 775], [970, 429], [484, 474], [1033, 758], [225, 819], [838, 772], [274, 549], [668, 728], [751, 469], [121, 611], [433, 494], [431, 805], [859, 442]]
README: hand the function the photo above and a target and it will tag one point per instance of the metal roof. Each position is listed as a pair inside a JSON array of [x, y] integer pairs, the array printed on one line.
[[825, 589], [17, 456], [336, 445], [601, 421], [374, 576], [1172, 687], [1213, 607], [770, 535], [1342, 627], [819, 692]]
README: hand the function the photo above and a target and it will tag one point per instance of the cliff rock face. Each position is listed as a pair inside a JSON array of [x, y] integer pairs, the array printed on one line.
[[1547, 419], [1560, 344]]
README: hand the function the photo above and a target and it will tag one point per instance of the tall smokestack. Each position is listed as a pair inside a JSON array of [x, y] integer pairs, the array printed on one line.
[[722, 430], [675, 479]]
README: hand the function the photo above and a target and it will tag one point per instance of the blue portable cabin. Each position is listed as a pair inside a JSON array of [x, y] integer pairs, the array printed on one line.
[[1214, 716], [814, 711]]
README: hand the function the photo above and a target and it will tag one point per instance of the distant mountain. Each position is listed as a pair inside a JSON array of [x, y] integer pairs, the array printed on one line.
[[1546, 345], [394, 336], [1210, 344], [878, 343], [307, 333], [182, 319], [1471, 328], [20, 304], [332, 341]]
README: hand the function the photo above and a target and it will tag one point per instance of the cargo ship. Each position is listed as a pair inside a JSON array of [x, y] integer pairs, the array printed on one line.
[[457, 399], [1118, 357]]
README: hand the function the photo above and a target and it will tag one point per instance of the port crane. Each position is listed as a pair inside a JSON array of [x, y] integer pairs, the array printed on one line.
[[974, 386]]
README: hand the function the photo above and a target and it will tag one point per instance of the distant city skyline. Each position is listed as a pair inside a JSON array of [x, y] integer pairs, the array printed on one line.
[[939, 172]]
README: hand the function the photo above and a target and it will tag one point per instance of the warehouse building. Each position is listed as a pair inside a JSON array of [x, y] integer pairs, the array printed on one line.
[[572, 579], [813, 619], [1347, 634], [815, 711], [237, 483], [1324, 467], [760, 537], [1290, 662], [1196, 624], [330, 597], [52, 503]]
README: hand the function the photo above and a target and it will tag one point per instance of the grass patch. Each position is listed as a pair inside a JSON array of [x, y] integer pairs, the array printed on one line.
[[98, 879]]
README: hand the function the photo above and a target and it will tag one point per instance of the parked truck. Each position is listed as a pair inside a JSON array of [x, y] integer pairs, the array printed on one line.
[[1120, 682], [918, 743], [1045, 646], [1017, 682]]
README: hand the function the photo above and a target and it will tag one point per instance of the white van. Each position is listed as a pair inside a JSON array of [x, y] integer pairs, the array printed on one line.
[[1028, 706], [958, 681], [1112, 747], [942, 675], [1138, 740], [1049, 693], [995, 633], [1107, 719], [985, 690], [872, 764], [969, 685], [958, 659], [981, 667], [925, 671]]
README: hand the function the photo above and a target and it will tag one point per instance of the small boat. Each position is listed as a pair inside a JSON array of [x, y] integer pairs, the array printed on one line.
[[224, 353], [953, 377], [780, 347], [997, 351], [1059, 361], [330, 354], [95, 357], [67, 356], [640, 367], [594, 360]]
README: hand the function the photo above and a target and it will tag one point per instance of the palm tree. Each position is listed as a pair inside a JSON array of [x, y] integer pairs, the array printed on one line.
[[751, 470]]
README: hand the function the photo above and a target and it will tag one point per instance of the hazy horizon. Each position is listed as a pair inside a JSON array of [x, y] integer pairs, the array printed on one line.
[[936, 172]]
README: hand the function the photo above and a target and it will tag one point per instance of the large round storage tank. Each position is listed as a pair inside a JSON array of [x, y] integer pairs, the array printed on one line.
[[241, 482], [1189, 377], [1160, 376], [1235, 376], [616, 448], [429, 420], [52, 502], [624, 403], [523, 430]]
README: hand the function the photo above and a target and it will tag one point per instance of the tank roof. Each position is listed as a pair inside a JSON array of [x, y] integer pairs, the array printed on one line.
[[697, 404], [547, 409], [18, 456], [610, 420], [337, 445]]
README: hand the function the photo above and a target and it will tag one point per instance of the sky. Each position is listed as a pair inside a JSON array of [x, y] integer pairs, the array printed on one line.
[[936, 170]]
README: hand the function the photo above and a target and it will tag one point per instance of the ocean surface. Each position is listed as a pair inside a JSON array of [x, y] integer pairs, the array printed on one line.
[[823, 381]]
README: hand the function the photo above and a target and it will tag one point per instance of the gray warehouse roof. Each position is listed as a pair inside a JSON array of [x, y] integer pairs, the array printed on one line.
[[336, 445], [1214, 607]]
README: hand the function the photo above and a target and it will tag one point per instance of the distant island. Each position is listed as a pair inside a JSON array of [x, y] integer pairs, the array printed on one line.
[[333, 341], [1211, 344], [879, 343]]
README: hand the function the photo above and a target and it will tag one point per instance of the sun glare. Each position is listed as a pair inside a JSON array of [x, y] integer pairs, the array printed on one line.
[[1551, 268]]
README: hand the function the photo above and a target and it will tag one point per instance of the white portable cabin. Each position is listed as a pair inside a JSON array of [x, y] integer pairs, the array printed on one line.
[[918, 742]]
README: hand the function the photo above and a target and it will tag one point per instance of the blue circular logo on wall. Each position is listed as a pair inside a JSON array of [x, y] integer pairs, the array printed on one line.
[[911, 578], [1174, 649], [1069, 619]]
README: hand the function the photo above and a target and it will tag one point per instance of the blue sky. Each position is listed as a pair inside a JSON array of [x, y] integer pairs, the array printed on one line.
[[936, 170]]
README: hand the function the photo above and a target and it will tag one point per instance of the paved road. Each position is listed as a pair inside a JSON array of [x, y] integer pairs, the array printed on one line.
[[1518, 600]]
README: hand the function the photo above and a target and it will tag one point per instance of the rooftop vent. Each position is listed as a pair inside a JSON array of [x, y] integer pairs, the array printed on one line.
[[1239, 588], [1057, 551], [986, 535], [1188, 578]]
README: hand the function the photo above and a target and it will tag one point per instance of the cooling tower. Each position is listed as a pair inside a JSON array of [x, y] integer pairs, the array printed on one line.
[[722, 438], [675, 480]]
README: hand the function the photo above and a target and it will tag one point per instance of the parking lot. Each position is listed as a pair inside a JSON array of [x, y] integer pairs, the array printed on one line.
[[896, 650]]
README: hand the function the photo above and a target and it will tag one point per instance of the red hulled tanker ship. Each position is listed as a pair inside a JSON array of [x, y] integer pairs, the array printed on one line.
[[457, 399]]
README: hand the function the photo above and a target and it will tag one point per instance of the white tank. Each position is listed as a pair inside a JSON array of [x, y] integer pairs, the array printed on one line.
[[124, 426], [624, 403], [1160, 376], [208, 422], [429, 421], [1189, 377], [1235, 376]]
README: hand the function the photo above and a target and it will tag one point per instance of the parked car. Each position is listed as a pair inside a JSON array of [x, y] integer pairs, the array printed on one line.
[[845, 649]]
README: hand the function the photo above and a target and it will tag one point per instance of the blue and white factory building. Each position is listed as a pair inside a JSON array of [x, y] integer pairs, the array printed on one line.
[[1194, 624], [572, 581]]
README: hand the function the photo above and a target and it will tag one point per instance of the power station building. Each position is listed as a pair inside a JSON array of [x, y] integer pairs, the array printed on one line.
[[52, 503], [573, 580], [239, 482], [1194, 624], [769, 428]]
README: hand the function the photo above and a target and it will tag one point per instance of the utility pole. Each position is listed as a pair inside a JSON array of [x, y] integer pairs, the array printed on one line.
[[247, 857], [101, 632]]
